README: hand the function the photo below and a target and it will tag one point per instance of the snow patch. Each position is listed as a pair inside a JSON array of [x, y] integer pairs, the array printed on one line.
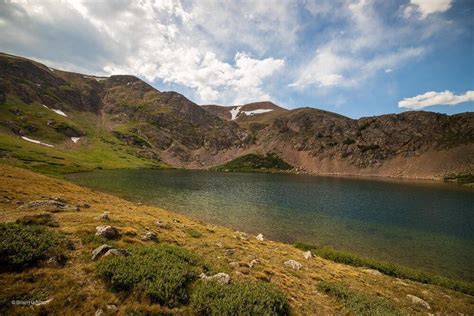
[[95, 78], [259, 111], [44, 106], [75, 139], [59, 112], [51, 69], [36, 141], [235, 112]]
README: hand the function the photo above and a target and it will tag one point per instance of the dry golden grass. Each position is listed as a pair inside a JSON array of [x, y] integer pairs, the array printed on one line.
[[76, 289]]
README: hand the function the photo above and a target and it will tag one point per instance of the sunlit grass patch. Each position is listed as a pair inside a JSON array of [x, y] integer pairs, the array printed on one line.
[[358, 303], [211, 298]]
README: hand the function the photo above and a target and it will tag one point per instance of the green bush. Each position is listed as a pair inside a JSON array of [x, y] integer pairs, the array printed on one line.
[[360, 304], [39, 219], [387, 268], [193, 232], [22, 246], [255, 163], [211, 298], [162, 273]]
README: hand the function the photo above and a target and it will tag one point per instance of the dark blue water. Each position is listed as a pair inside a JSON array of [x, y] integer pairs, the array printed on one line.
[[426, 225]]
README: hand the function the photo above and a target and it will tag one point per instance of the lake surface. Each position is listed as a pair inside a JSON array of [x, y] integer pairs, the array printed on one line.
[[426, 225]]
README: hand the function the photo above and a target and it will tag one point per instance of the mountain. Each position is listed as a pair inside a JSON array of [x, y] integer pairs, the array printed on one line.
[[57, 121]]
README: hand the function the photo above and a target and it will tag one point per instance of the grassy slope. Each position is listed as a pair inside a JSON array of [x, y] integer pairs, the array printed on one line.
[[77, 289], [255, 163], [98, 149]]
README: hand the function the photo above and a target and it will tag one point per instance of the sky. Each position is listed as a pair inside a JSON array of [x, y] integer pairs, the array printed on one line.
[[354, 57]]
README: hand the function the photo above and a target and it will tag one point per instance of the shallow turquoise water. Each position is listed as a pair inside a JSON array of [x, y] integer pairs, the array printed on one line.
[[425, 225]]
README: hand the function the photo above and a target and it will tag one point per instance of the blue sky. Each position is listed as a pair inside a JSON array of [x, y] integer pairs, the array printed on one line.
[[357, 57]]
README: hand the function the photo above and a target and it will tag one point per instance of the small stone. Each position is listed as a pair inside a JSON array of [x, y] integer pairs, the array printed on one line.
[[373, 272], [149, 236], [108, 232], [104, 216], [307, 254], [162, 224], [235, 265], [58, 199], [111, 307], [221, 277], [99, 312], [253, 263], [117, 252], [295, 265], [85, 205], [57, 261], [260, 237], [416, 300], [100, 251]]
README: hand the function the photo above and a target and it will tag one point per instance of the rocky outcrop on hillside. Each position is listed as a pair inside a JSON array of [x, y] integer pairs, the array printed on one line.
[[166, 126]]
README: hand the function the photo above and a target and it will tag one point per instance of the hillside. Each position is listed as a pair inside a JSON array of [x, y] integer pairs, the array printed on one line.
[[55, 122], [66, 280]]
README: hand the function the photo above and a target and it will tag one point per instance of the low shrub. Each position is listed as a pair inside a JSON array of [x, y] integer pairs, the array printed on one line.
[[211, 298], [387, 268], [162, 273], [193, 232], [22, 246], [39, 219], [359, 303]]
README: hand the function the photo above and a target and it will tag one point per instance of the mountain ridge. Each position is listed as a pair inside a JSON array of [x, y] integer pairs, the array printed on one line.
[[149, 127]]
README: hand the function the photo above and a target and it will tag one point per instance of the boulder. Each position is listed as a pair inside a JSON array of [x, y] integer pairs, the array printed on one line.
[[221, 277], [307, 254], [416, 300], [100, 251], [295, 265], [52, 206], [117, 252], [108, 232], [149, 236], [260, 237]]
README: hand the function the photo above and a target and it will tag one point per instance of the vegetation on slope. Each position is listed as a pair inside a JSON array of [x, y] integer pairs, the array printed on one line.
[[391, 269], [78, 288], [463, 179], [271, 162], [358, 303]]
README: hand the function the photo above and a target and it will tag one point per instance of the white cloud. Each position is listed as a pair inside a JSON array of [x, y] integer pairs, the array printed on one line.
[[426, 7], [435, 98], [366, 47], [197, 45]]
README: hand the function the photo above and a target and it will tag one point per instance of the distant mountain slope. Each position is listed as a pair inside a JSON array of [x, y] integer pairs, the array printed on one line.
[[58, 121]]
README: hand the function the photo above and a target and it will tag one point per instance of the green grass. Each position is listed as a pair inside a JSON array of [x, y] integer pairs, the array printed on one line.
[[23, 246], [162, 273], [211, 298], [464, 179], [387, 268], [193, 232], [38, 219], [358, 303], [255, 163]]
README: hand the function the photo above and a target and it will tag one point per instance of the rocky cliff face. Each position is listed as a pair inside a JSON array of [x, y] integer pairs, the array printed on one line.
[[166, 126]]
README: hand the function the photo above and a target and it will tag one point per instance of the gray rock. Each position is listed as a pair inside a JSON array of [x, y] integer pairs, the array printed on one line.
[[100, 251], [99, 312], [108, 232], [416, 300], [117, 252], [295, 265], [49, 205], [149, 236], [221, 277], [162, 224], [111, 307], [260, 237], [307, 254], [104, 216], [253, 263], [373, 272], [235, 265]]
